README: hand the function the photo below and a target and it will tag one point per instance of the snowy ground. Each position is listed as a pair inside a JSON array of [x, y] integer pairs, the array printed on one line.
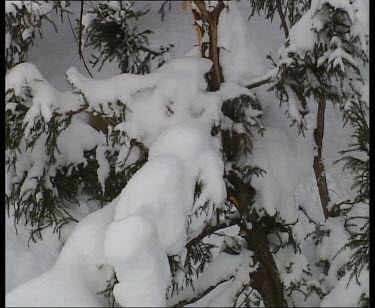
[[57, 52]]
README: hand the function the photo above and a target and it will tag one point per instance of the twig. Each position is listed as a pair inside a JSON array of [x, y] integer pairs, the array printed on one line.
[[83, 109], [201, 295], [282, 17], [259, 83], [80, 31], [75, 38], [208, 230]]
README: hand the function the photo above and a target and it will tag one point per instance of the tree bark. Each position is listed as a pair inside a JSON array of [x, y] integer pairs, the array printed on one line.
[[266, 278], [319, 168], [212, 18]]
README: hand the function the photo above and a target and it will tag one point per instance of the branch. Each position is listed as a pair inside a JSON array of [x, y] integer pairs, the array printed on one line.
[[201, 295], [208, 230], [202, 7], [150, 51], [221, 269], [84, 108], [80, 32], [162, 10], [259, 83], [282, 17], [75, 38]]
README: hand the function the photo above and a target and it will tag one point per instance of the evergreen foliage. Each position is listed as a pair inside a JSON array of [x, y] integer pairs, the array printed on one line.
[[292, 9], [46, 182], [322, 70], [46, 192], [108, 28], [22, 20]]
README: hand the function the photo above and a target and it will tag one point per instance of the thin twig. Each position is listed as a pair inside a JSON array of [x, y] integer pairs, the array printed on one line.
[[80, 31], [259, 83], [201, 295], [75, 38], [282, 18]]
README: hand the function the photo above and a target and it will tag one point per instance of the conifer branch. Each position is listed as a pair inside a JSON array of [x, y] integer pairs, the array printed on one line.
[[202, 294]]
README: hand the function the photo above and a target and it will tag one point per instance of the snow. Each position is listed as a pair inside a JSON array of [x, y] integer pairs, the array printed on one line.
[[78, 274], [24, 260], [45, 97], [139, 229], [156, 192], [347, 294], [301, 38], [294, 106], [104, 167], [179, 82], [241, 278], [77, 138], [152, 211], [140, 263], [344, 5], [361, 24], [275, 189], [155, 204], [239, 57], [219, 270]]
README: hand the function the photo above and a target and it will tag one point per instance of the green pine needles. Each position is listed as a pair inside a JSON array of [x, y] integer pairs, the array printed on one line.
[[22, 20], [110, 31]]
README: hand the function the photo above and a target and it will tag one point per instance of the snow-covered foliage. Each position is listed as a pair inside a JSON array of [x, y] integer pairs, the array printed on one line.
[[192, 197], [239, 57], [322, 54], [22, 20], [160, 196], [108, 27]]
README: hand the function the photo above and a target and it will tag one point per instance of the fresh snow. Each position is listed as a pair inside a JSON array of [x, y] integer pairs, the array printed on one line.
[[135, 233]]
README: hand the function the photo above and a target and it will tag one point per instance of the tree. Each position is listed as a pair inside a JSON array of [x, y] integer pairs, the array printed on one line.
[[22, 20], [107, 28], [173, 173]]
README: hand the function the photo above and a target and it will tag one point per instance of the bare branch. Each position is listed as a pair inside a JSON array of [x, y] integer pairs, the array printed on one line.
[[259, 83], [80, 31], [282, 18], [84, 109], [208, 230], [201, 6], [202, 294]]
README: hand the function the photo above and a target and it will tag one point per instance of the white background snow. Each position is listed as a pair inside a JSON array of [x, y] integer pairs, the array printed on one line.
[[286, 156]]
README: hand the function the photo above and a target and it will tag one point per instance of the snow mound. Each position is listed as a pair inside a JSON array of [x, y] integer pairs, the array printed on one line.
[[240, 59], [152, 212], [79, 274]]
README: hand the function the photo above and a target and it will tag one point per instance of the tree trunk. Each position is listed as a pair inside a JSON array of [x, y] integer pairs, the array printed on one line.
[[319, 168], [266, 278], [215, 76]]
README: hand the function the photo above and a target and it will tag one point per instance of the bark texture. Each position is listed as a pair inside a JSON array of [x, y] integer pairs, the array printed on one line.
[[266, 278], [319, 169], [215, 77]]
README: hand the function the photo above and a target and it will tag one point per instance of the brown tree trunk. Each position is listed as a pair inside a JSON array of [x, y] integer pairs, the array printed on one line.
[[212, 18], [319, 168], [266, 278]]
